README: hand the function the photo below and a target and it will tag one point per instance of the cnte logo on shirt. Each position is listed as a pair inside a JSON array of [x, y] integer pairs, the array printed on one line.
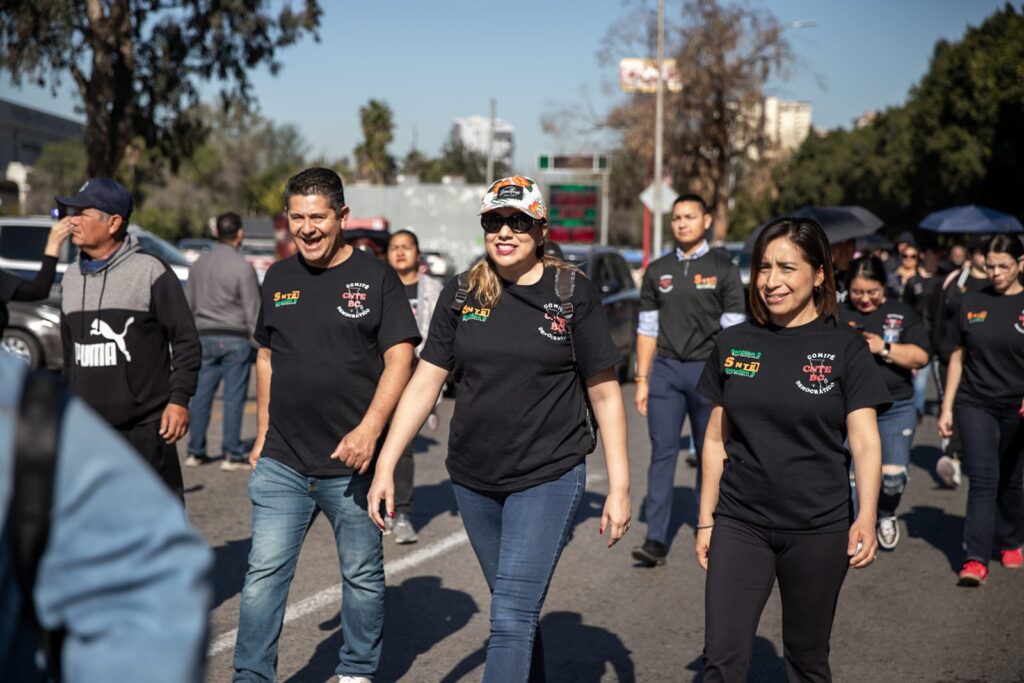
[[818, 369], [354, 300]]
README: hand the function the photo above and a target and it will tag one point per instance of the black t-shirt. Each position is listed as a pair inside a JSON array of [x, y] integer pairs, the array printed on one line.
[[896, 323], [328, 330], [690, 297], [8, 286], [953, 297], [991, 330], [520, 416], [412, 296], [786, 393]]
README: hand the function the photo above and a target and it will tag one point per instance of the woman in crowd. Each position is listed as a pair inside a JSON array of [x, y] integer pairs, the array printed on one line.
[[422, 292], [788, 388], [521, 428], [985, 390], [14, 288], [898, 340]]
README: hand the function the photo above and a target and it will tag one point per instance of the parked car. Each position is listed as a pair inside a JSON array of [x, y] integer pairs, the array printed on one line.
[[194, 247], [619, 295], [33, 331]]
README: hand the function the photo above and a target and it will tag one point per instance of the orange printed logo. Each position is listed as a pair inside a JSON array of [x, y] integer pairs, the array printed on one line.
[[975, 317], [705, 281]]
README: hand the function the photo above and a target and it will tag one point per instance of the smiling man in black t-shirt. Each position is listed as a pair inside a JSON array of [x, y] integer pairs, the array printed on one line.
[[336, 340]]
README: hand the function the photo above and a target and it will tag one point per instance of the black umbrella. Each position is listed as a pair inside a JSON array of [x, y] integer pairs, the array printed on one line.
[[971, 218], [840, 223]]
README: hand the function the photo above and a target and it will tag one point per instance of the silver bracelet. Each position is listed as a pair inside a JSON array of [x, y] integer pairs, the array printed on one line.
[[705, 526]]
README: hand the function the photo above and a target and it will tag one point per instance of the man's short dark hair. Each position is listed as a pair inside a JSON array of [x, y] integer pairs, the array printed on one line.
[[320, 181], [690, 197], [228, 225]]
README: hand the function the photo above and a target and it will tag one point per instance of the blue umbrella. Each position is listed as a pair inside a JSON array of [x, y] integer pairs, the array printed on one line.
[[971, 218]]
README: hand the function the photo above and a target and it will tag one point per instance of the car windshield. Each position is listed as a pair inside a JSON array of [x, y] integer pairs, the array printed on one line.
[[161, 248]]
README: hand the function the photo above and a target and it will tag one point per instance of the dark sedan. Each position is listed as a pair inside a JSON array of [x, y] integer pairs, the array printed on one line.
[[620, 296]]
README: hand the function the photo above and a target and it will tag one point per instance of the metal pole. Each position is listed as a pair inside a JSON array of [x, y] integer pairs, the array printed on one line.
[[659, 108], [490, 143], [604, 209]]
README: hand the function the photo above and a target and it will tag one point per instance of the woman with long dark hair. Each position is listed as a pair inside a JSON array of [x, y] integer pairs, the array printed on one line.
[[789, 387], [985, 393], [529, 335], [898, 340]]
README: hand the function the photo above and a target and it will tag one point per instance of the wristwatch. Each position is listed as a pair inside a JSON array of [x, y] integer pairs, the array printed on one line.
[[886, 350]]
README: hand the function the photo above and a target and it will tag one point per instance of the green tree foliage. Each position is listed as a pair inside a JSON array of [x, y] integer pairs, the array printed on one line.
[[137, 64], [373, 161], [59, 170], [958, 139]]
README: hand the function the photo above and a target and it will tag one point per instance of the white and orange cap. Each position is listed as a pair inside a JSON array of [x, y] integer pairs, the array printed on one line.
[[515, 192]]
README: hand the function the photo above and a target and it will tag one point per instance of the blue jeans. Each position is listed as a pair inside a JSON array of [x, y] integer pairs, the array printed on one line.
[[224, 357], [896, 427], [518, 538], [284, 505], [921, 388], [673, 395], [994, 463]]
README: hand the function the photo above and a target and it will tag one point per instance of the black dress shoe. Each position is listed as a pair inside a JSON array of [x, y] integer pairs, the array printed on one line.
[[651, 553]]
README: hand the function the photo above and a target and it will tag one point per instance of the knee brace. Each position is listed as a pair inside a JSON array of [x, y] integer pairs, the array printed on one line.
[[894, 484]]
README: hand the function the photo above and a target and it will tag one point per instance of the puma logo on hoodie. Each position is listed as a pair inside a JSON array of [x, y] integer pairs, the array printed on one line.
[[103, 354]]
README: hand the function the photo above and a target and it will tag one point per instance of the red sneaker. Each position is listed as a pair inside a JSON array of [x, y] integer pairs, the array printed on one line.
[[1012, 559], [974, 573]]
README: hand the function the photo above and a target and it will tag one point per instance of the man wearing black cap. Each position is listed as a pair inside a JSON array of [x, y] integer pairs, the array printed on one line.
[[122, 309]]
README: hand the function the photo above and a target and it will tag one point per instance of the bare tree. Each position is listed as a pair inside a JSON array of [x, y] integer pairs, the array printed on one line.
[[724, 55]]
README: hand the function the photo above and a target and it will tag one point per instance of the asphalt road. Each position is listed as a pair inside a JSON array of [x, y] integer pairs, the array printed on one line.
[[605, 618]]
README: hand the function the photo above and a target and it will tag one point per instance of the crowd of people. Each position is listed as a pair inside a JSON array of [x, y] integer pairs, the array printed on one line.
[[803, 392]]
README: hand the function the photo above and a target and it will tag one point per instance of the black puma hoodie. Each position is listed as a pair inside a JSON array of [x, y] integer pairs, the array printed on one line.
[[130, 344]]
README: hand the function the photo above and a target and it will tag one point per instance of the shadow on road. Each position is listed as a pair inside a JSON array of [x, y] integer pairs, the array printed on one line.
[[940, 529], [766, 666], [925, 457], [573, 653], [420, 613], [230, 562]]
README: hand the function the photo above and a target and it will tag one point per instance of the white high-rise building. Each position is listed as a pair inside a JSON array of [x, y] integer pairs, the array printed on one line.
[[787, 123], [473, 132]]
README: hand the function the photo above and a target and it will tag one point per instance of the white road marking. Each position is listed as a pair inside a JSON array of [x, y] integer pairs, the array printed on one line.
[[332, 595]]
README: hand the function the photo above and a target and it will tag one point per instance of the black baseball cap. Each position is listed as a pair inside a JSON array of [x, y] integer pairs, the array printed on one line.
[[104, 194]]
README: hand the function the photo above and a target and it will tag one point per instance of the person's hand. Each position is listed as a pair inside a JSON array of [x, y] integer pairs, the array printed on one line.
[[615, 517], [640, 399], [875, 343], [356, 449], [59, 232], [863, 545], [945, 423], [382, 489], [257, 451], [701, 545], [173, 423]]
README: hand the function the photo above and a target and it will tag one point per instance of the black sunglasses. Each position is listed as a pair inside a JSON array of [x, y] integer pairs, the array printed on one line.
[[518, 222]]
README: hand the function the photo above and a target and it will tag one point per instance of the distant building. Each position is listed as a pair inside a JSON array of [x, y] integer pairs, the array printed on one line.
[[865, 119], [472, 131], [787, 123], [25, 131]]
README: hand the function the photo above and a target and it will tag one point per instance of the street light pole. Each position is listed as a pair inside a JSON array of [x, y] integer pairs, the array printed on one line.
[[490, 143], [659, 108]]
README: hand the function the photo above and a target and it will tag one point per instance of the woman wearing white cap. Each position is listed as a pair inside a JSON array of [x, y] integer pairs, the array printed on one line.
[[531, 340]]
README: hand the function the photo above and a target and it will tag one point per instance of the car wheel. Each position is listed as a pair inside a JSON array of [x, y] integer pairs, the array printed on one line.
[[23, 345]]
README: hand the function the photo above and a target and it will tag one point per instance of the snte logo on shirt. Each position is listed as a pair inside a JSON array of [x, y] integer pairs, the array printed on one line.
[[705, 281], [976, 317], [554, 327], [354, 300], [742, 363], [665, 284], [473, 313], [103, 354], [819, 371], [286, 298]]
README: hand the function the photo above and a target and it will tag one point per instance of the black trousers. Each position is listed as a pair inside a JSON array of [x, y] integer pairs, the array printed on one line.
[[743, 563], [161, 456]]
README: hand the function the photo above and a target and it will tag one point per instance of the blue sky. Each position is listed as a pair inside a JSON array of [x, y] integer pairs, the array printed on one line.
[[434, 61]]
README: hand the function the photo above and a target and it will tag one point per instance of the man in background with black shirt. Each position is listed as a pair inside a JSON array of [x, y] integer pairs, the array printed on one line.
[[336, 338], [686, 298]]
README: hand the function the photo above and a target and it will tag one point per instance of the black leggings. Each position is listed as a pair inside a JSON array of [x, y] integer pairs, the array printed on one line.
[[743, 563]]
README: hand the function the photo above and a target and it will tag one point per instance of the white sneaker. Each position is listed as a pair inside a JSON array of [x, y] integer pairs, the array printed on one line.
[[354, 679], [888, 533], [403, 530], [948, 470], [197, 460]]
